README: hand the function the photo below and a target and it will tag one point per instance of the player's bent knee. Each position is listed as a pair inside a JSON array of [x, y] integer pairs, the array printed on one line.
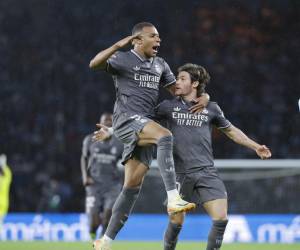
[[133, 182], [220, 217], [164, 133]]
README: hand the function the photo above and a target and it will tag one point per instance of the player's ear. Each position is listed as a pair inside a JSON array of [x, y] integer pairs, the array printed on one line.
[[195, 84], [136, 41]]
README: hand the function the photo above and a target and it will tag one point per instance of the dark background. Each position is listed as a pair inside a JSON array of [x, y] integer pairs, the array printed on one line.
[[50, 99]]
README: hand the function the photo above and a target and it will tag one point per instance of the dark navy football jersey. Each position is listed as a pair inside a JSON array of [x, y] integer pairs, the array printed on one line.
[[192, 132], [103, 157], [137, 82]]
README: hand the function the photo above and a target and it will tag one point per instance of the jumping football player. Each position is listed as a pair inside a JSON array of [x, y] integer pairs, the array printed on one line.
[[138, 74]]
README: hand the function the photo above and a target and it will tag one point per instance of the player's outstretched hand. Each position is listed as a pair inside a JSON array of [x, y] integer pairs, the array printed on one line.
[[127, 40], [101, 134], [200, 103], [263, 152]]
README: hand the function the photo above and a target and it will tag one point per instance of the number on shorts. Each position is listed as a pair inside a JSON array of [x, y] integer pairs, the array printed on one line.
[[89, 202]]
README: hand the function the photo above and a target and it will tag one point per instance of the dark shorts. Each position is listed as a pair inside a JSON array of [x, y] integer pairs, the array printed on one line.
[[97, 199], [126, 129], [202, 186]]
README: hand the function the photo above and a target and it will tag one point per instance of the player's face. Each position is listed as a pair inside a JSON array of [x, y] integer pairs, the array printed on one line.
[[149, 41], [183, 84], [106, 119]]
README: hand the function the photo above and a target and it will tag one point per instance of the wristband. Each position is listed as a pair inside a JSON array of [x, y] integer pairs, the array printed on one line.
[[110, 130]]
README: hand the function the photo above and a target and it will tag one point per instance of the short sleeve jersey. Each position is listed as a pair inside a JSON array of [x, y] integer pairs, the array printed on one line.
[[192, 132], [137, 82], [103, 157]]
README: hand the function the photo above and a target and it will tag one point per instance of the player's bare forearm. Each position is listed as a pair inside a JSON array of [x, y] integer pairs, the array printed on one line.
[[83, 163], [100, 60], [240, 137]]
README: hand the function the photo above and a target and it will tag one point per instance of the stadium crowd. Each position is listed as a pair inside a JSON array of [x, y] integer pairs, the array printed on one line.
[[50, 99]]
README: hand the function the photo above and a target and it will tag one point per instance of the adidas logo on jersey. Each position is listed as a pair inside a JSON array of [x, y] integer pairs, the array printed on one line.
[[136, 68], [158, 68], [204, 111], [177, 109]]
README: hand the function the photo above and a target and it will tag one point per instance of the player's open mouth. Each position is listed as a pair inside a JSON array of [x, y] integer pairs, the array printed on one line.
[[155, 48]]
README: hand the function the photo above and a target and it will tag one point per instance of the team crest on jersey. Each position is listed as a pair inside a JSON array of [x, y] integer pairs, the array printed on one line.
[[136, 68], [177, 109], [204, 111], [113, 150], [157, 68]]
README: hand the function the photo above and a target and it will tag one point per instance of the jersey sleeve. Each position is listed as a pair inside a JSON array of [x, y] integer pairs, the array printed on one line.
[[85, 146], [167, 77], [115, 63], [219, 119]]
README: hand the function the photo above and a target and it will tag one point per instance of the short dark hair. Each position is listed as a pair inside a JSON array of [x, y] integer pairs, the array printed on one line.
[[197, 73], [106, 114], [139, 27]]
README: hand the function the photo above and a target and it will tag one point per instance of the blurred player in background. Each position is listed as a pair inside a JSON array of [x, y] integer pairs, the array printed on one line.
[[197, 178], [101, 177], [138, 75], [5, 181]]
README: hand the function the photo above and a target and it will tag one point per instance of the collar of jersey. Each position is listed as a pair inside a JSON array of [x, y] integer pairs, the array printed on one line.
[[184, 102], [141, 58]]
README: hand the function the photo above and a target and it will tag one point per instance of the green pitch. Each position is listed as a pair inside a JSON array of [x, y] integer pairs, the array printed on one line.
[[125, 245]]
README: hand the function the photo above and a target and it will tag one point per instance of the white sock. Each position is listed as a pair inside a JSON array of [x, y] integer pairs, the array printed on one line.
[[107, 239], [172, 194]]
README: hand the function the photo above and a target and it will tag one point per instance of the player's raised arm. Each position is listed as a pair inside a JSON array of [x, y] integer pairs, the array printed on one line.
[[239, 137], [100, 60]]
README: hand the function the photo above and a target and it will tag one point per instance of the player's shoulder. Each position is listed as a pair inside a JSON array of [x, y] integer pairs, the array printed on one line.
[[213, 106], [119, 54], [170, 102], [160, 60]]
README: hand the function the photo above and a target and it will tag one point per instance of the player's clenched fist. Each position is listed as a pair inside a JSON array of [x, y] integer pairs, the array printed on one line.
[[263, 152]]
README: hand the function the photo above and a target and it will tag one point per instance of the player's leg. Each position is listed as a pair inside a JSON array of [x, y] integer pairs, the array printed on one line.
[[211, 192], [92, 211], [153, 133], [173, 230], [109, 200], [185, 186], [105, 219], [217, 210], [134, 175]]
